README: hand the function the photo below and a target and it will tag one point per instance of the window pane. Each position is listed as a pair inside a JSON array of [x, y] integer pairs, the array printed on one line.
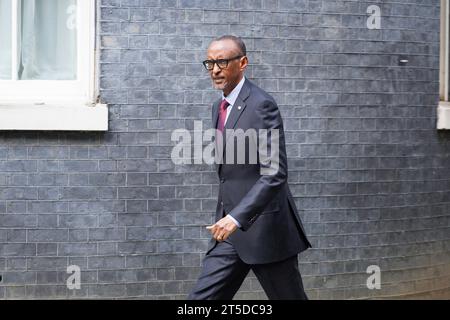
[[5, 39], [48, 40]]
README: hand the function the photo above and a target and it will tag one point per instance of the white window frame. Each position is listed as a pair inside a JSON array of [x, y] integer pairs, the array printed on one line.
[[443, 112], [57, 104]]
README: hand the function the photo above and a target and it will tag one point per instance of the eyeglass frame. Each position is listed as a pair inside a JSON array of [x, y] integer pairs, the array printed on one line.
[[217, 61]]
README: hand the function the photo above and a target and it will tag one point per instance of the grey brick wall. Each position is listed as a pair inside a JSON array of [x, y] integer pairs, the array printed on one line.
[[369, 171]]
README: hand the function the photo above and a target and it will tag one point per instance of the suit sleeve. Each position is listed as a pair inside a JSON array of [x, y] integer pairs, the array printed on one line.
[[273, 167]]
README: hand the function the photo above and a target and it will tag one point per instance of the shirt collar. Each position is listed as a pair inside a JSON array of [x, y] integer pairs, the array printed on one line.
[[231, 98]]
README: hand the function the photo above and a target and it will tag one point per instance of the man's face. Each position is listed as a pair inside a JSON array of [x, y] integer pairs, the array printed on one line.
[[226, 79]]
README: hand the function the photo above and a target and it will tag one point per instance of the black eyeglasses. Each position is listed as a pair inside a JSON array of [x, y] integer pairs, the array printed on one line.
[[221, 63]]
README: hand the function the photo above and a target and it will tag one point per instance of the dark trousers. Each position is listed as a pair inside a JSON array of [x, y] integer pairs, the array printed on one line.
[[223, 273]]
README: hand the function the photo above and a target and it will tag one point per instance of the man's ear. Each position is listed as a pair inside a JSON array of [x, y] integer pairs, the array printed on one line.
[[244, 62]]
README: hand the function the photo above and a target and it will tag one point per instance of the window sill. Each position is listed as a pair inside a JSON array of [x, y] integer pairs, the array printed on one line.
[[61, 117], [443, 115]]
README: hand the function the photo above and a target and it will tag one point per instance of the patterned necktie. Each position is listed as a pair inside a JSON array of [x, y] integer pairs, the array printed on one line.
[[222, 114]]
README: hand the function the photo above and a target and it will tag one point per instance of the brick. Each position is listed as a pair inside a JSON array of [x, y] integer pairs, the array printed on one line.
[[79, 193], [14, 264], [14, 220], [77, 249], [47, 221], [107, 179], [18, 278], [137, 165], [47, 249], [138, 42], [77, 220], [136, 179], [137, 247], [138, 193], [47, 235], [14, 249], [114, 42], [115, 14], [106, 234], [18, 166], [105, 262], [46, 264]]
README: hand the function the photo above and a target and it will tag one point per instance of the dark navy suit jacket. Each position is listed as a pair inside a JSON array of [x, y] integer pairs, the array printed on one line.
[[271, 229]]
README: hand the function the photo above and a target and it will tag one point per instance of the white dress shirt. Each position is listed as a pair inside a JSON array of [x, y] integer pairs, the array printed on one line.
[[231, 99]]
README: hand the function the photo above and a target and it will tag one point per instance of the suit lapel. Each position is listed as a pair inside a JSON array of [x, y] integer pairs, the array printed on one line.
[[215, 113], [215, 117], [234, 115], [238, 107]]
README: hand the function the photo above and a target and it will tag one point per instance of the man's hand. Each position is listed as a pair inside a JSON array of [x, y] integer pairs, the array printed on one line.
[[222, 229]]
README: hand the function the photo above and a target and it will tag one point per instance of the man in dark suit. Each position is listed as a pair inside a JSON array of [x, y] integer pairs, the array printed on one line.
[[257, 224]]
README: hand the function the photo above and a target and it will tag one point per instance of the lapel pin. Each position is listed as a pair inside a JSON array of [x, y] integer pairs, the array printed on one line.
[[239, 107]]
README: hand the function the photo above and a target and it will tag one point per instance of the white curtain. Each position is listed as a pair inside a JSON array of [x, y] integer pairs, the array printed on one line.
[[5, 39], [48, 44]]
